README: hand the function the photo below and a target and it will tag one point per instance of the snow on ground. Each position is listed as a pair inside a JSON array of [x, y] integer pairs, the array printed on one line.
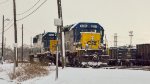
[[94, 76], [4, 70], [86, 76]]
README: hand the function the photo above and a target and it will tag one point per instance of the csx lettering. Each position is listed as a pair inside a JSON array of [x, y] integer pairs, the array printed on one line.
[[92, 42]]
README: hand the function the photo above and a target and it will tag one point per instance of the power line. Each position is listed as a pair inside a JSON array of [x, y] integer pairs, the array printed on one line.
[[8, 23], [23, 17], [4, 2], [29, 8], [7, 28], [32, 11]]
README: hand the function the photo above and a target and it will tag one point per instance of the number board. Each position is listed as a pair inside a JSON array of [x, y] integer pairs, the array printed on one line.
[[51, 34], [88, 26]]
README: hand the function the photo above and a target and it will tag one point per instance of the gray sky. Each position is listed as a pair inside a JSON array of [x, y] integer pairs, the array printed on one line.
[[116, 16]]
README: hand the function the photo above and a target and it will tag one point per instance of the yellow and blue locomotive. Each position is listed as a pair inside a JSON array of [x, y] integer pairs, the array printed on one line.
[[83, 42], [44, 47]]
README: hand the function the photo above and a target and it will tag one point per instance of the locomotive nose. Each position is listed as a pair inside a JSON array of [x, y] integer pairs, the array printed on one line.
[[90, 39]]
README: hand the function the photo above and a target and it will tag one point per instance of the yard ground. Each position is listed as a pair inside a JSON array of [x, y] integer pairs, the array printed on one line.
[[71, 75]]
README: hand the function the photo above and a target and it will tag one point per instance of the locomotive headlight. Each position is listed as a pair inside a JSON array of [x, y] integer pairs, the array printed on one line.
[[86, 46], [92, 38], [74, 44]]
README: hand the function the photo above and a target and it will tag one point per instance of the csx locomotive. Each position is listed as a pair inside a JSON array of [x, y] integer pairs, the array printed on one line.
[[83, 43], [44, 47]]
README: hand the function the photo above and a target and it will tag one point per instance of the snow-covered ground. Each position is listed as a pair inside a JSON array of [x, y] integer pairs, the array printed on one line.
[[4, 70], [85, 76]]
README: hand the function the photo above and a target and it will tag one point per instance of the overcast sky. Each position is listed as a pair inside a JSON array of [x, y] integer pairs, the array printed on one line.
[[116, 16]]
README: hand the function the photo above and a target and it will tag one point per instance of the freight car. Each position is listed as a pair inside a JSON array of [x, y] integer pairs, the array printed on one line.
[[139, 56], [83, 43], [123, 55], [143, 54], [44, 48]]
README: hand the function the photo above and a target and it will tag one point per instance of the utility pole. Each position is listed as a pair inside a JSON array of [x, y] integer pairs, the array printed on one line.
[[2, 40], [58, 23], [61, 33], [22, 45], [15, 36]]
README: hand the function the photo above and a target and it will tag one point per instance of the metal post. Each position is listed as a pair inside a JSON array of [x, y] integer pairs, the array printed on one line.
[[57, 54], [58, 23]]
